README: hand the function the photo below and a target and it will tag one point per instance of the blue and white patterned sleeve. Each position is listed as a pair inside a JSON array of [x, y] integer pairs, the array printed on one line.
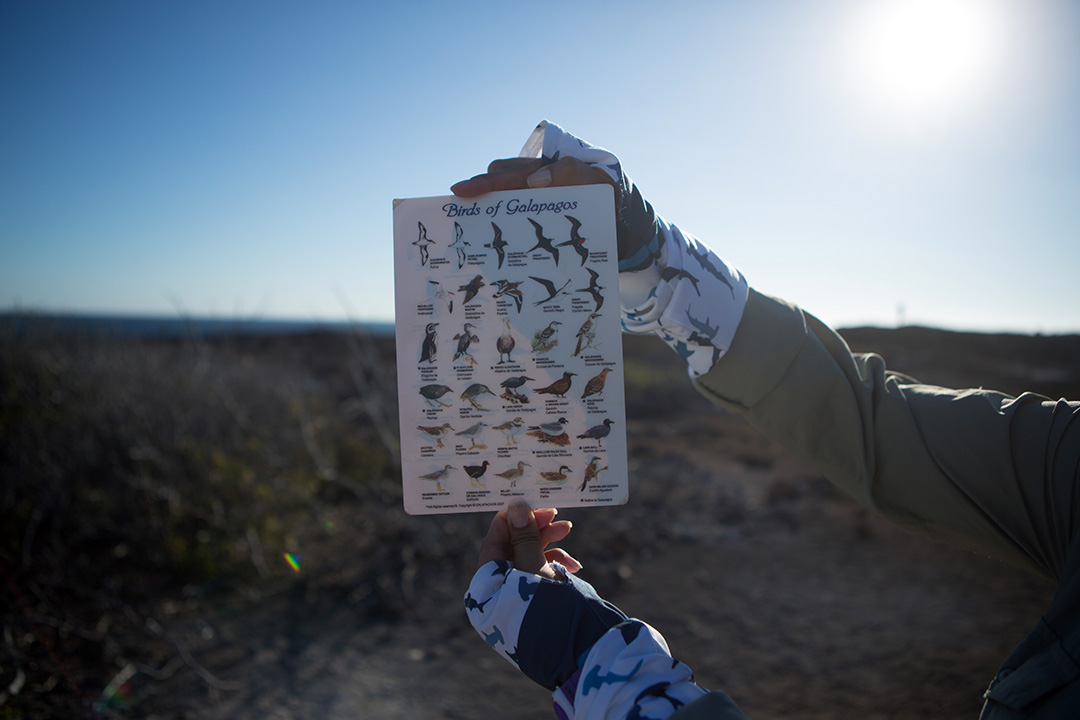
[[562, 635], [670, 283]]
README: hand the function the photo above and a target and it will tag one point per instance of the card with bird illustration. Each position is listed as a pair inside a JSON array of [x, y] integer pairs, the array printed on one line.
[[509, 357]]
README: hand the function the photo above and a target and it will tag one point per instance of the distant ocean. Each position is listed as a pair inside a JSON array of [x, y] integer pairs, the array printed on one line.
[[142, 326]]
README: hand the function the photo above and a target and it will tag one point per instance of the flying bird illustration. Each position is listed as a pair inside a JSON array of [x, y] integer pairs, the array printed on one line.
[[432, 393], [576, 240], [586, 333], [440, 293], [550, 287], [594, 288], [595, 386], [505, 343], [597, 432], [427, 349], [543, 243], [435, 432], [459, 245], [513, 289], [437, 477], [423, 242], [475, 390], [498, 244], [546, 338], [592, 471], [475, 472], [511, 429], [471, 288], [465, 338], [514, 474], [511, 385], [472, 432], [560, 387]]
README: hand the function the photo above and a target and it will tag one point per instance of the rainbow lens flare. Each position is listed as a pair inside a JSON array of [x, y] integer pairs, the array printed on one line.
[[293, 560]]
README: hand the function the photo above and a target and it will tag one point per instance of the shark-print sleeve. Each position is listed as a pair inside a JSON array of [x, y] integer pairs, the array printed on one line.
[[670, 283], [564, 636], [628, 673]]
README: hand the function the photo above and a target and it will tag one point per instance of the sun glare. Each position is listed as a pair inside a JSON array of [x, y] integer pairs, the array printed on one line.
[[920, 62]]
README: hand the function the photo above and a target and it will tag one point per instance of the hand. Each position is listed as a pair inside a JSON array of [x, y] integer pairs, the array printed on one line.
[[521, 173], [521, 536]]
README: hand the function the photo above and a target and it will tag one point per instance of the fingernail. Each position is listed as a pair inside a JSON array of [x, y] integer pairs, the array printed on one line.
[[519, 514], [540, 178]]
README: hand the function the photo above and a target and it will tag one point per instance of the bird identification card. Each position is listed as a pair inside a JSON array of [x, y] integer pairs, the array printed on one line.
[[509, 355]]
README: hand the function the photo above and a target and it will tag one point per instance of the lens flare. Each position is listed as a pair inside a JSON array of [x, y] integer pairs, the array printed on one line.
[[292, 560]]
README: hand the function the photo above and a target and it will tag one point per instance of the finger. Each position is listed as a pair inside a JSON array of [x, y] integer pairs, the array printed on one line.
[[544, 516], [525, 542], [564, 558], [502, 175], [496, 544], [555, 532], [565, 172]]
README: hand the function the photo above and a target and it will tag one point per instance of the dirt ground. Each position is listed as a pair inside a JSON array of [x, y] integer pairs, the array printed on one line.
[[768, 582]]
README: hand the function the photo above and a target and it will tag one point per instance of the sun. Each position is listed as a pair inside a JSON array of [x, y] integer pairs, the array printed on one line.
[[920, 62]]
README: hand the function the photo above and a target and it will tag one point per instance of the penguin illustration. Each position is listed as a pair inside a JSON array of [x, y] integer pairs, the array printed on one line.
[[427, 350]]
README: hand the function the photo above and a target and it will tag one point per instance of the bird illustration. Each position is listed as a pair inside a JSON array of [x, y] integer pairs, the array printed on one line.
[[576, 240], [427, 349], [459, 245], [594, 288], [435, 432], [510, 388], [475, 472], [438, 476], [432, 393], [596, 432], [513, 289], [550, 432], [472, 432], [505, 343], [511, 429], [498, 244], [543, 243], [465, 338], [471, 288], [553, 292], [545, 339], [514, 474], [586, 333], [423, 242], [592, 471], [440, 293], [556, 476], [560, 387], [595, 386], [473, 391]]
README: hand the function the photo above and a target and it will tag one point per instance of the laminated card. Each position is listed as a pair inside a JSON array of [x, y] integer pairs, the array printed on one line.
[[510, 377]]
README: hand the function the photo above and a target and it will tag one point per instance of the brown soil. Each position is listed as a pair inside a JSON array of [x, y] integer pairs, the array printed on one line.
[[768, 582]]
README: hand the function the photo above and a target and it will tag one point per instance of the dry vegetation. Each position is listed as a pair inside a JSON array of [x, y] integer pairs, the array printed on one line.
[[151, 487]]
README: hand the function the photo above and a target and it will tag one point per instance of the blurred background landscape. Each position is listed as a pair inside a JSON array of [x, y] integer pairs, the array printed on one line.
[[200, 506], [158, 492]]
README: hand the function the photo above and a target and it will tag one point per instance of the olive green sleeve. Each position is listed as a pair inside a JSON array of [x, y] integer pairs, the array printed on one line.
[[993, 473]]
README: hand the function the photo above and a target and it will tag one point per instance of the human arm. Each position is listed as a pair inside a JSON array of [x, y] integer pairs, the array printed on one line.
[[562, 635]]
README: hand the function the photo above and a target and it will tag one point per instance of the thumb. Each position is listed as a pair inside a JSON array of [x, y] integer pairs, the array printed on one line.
[[525, 543]]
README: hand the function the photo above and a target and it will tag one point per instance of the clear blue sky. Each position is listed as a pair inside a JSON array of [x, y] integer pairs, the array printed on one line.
[[240, 158]]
